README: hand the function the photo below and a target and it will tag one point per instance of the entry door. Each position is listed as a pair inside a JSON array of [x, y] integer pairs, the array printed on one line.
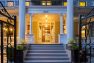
[[46, 33]]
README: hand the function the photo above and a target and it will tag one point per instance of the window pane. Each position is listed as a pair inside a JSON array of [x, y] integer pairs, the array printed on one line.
[[65, 3], [27, 3], [49, 3], [43, 2], [11, 3], [82, 4]]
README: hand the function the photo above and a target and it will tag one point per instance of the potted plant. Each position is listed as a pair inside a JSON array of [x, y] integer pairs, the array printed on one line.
[[72, 45], [22, 41], [19, 53], [20, 49]]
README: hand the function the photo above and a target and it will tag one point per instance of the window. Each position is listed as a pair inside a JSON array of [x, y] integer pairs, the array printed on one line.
[[10, 3], [27, 3], [43, 2], [49, 3], [65, 4], [82, 4], [83, 31], [46, 3]]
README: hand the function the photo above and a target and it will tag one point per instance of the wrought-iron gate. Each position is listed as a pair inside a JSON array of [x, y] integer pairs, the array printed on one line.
[[7, 34], [86, 34]]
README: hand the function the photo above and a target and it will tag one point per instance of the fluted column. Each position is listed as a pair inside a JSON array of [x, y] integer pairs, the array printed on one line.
[[60, 38], [61, 24], [31, 37], [70, 21], [22, 19], [30, 23]]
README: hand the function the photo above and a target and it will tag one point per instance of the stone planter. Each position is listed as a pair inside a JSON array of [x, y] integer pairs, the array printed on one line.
[[75, 56], [19, 56]]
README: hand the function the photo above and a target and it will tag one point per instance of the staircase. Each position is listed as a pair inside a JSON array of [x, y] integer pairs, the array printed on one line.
[[47, 54]]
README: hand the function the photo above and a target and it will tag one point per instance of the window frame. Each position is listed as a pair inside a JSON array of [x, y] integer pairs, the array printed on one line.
[[11, 2]]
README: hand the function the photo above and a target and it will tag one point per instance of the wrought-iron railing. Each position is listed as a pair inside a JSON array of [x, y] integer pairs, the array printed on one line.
[[7, 32], [86, 43]]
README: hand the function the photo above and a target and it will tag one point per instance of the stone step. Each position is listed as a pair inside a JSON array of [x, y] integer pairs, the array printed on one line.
[[46, 51], [46, 54], [46, 45], [47, 58], [46, 48], [47, 61]]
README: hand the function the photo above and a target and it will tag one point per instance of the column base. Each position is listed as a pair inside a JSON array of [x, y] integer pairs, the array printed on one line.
[[30, 38], [62, 38]]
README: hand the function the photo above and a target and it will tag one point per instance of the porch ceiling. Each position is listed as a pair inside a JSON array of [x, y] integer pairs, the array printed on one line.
[[82, 11]]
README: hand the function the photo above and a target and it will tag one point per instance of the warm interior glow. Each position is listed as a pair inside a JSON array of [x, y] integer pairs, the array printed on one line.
[[46, 18], [10, 3], [5, 29], [83, 31], [11, 29], [82, 4], [65, 3], [27, 3], [43, 2], [49, 3], [45, 28]]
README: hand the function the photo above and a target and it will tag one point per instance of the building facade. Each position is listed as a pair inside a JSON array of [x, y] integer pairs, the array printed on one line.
[[47, 21]]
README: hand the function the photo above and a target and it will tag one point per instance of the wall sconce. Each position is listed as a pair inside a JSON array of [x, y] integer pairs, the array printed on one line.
[[5, 29]]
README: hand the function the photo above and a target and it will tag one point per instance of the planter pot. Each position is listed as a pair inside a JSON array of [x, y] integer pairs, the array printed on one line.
[[10, 54], [83, 56], [19, 56], [75, 56]]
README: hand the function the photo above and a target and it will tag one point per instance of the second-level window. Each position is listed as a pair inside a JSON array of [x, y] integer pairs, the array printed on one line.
[[82, 4], [46, 3], [64, 3], [49, 3], [10, 3], [27, 3]]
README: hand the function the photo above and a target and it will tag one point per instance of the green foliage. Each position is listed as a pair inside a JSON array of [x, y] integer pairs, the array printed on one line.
[[71, 41], [72, 44], [20, 47], [74, 47], [22, 41]]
